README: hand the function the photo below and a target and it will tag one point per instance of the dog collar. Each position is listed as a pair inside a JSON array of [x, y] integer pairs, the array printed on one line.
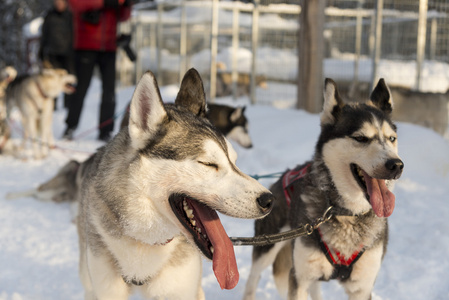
[[41, 90]]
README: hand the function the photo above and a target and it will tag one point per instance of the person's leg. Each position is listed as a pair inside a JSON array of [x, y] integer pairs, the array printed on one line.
[[106, 62], [84, 62], [69, 65]]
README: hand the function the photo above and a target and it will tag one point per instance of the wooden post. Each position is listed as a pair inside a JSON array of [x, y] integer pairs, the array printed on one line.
[[310, 56]]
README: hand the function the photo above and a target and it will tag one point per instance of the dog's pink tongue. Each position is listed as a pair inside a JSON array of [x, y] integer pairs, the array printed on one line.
[[380, 197], [224, 263]]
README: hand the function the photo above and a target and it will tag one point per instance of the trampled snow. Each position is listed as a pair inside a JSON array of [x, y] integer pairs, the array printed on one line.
[[39, 243]]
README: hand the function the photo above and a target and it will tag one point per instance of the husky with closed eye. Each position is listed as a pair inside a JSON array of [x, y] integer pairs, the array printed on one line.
[[149, 200], [349, 180]]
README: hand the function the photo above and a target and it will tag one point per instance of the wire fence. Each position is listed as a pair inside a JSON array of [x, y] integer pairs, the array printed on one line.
[[252, 48]]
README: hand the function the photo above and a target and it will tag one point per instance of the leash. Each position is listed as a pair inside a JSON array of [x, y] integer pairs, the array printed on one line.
[[271, 175], [103, 124], [268, 239]]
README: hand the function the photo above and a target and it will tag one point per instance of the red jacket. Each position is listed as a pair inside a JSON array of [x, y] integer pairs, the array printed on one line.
[[95, 26]]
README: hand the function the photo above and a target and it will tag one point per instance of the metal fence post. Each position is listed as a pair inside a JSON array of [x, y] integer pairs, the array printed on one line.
[[213, 51], [421, 41], [138, 40], [377, 42], [160, 41], [358, 41], [254, 42], [183, 42], [235, 47], [433, 38]]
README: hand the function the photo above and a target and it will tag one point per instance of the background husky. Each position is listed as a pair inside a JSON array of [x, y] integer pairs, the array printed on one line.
[[231, 121], [33, 95], [148, 200], [352, 170], [224, 82]]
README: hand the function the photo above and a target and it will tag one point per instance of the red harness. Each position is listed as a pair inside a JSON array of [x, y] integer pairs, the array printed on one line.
[[342, 266], [291, 177]]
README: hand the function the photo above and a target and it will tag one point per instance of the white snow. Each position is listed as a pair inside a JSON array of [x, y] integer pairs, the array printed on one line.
[[39, 243]]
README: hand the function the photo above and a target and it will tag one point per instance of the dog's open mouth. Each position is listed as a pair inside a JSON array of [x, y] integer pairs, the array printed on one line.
[[69, 88], [209, 235], [376, 192]]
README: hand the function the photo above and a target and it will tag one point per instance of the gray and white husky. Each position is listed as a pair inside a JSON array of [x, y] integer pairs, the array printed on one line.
[[148, 200], [353, 170]]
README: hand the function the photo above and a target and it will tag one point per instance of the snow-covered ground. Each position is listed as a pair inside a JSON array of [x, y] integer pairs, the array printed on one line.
[[39, 243]]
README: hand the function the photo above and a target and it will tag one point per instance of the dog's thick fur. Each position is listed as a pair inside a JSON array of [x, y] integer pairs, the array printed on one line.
[[356, 159], [148, 200], [33, 95]]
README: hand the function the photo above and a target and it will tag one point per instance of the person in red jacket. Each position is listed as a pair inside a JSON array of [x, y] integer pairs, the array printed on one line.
[[95, 43]]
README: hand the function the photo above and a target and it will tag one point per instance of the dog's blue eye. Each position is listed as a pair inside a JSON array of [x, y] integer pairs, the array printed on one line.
[[392, 139], [361, 139]]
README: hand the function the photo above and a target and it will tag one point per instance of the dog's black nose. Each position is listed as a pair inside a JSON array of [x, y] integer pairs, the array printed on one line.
[[395, 166], [265, 201]]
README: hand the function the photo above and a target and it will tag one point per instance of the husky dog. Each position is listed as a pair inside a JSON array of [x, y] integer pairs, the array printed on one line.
[[243, 83], [231, 121], [352, 172], [33, 95], [148, 200], [7, 75]]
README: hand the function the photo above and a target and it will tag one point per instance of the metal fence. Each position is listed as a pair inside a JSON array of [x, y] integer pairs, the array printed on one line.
[[255, 44]]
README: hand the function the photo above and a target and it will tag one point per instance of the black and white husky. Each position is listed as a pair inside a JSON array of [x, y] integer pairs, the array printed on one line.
[[231, 121], [353, 170], [148, 200]]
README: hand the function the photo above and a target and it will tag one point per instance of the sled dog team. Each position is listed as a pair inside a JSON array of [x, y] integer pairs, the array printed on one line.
[[148, 200]]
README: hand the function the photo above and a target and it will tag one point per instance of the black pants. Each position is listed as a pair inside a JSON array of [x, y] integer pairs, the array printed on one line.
[[85, 61]]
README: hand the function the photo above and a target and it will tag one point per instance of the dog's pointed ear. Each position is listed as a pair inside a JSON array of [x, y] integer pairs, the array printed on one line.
[[381, 97], [236, 114], [147, 111], [332, 103], [191, 94]]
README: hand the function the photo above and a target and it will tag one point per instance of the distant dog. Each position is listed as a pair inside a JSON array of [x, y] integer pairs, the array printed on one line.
[[352, 172], [231, 121], [7, 75], [243, 82], [148, 200], [33, 95]]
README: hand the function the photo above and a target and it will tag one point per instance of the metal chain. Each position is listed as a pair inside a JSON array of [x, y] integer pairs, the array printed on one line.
[[268, 239]]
